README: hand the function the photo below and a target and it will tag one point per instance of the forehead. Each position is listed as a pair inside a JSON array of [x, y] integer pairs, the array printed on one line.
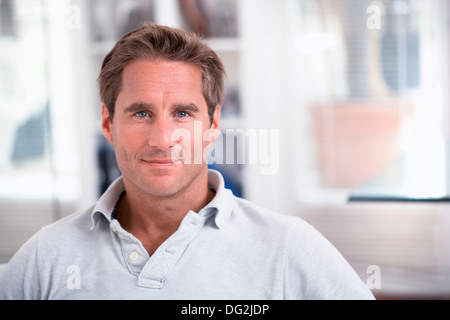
[[161, 76]]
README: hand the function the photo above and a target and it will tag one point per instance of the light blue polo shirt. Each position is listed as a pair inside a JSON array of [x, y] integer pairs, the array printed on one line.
[[231, 249]]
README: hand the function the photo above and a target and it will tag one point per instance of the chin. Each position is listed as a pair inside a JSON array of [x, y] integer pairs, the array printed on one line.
[[161, 186], [163, 183]]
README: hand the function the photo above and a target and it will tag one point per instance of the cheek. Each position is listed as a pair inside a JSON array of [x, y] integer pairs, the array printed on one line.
[[127, 142], [191, 143], [189, 137]]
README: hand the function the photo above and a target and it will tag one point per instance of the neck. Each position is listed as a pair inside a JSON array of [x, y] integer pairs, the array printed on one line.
[[152, 219]]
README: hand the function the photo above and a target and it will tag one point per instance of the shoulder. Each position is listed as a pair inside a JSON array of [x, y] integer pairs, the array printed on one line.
[[312, 267], [72, 226], [60, 232], [296, 233], [28, 270], [263, 217], [274, 228], [81, 219]]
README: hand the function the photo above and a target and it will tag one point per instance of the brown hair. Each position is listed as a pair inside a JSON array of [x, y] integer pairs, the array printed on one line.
[[151, 41]]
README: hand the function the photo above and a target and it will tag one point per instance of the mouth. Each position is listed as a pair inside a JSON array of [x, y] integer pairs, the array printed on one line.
[[161, 163]]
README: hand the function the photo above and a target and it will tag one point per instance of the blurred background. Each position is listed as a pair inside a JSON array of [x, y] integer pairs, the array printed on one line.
[[350, 99]]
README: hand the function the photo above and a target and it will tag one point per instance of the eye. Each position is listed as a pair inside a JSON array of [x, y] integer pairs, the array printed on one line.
[[182, 114], [141, 114]]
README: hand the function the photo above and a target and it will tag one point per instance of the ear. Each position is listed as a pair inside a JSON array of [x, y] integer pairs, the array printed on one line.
[[106, 124], [216, 119], [214, 130]]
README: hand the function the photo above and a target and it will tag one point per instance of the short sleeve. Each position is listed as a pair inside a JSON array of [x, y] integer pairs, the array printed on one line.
[[315, 270], [20, 280]]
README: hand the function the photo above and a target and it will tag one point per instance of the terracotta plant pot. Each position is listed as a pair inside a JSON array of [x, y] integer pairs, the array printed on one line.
[[357, 139]]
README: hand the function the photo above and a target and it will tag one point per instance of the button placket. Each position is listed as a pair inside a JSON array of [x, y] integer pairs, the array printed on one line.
[[130, 247], [159, 265]]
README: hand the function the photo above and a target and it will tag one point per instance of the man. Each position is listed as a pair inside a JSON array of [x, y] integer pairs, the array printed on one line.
[[168, 229]]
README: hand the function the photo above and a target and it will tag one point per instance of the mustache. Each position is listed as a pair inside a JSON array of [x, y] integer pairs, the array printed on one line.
[[173, 154]]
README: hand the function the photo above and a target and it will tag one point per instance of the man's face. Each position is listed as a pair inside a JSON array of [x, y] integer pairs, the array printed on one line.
[[159, 125]]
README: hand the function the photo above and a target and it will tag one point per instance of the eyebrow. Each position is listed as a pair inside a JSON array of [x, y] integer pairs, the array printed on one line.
[[140, 106], [186, 107]]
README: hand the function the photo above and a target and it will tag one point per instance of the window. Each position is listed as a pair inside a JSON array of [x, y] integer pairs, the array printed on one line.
[[39, 168], [376, 98]]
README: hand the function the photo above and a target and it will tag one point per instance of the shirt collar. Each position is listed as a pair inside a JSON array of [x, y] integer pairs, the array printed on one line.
[[106, 204], [222, 203]]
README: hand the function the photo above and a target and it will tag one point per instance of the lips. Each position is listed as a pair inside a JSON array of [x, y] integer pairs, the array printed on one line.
[[162, 162], [168, 161]]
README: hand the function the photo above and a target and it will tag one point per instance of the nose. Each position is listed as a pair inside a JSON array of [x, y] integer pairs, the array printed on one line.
[[161, 135]]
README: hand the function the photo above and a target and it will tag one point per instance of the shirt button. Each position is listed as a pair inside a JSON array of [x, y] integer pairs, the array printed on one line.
[[134, 256], [170, 251]]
